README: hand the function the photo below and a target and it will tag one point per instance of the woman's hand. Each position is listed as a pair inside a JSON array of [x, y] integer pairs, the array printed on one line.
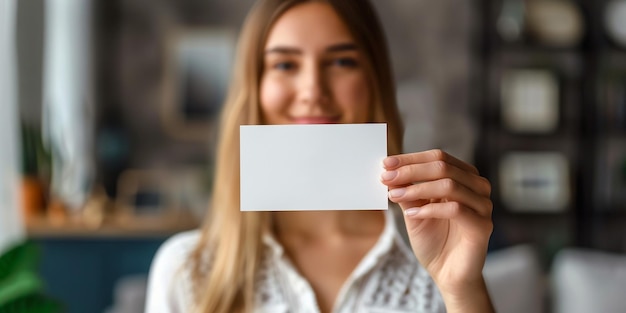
[[447, 209]]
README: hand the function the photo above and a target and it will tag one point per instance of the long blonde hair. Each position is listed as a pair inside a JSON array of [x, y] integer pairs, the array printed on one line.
[[224, 262]]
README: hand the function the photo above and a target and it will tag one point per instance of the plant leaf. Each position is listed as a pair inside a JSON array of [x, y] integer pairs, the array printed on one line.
[[35, 303], [22, 257], [19, 285]]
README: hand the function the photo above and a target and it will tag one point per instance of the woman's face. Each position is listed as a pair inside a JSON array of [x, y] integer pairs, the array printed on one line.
[[313, 71]]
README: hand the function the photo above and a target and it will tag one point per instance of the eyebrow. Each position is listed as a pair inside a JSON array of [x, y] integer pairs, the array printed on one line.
[[333, 48]]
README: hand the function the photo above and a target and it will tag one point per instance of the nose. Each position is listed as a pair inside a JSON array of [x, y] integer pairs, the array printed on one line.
[[312, 89]]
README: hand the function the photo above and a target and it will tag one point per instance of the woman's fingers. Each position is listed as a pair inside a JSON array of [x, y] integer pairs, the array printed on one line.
[[400, 160], [417, 179], [453, 211], [446, 189], [421, 172]]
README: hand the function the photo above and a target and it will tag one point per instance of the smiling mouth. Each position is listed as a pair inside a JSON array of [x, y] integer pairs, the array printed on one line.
[[316, 120]]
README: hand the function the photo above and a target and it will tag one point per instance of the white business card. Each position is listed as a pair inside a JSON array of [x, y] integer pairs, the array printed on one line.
[[313, 167]]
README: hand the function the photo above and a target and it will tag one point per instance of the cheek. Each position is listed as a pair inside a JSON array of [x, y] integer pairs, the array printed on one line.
[[274, 96]]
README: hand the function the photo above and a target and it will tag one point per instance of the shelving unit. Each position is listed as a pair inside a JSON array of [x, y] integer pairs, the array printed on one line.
[[84, 259], [44, 228], [609, 195], [590, 132]]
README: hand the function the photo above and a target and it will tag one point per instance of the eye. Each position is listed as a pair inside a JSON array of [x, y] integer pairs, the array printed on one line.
[[345, 62], [284, 66]]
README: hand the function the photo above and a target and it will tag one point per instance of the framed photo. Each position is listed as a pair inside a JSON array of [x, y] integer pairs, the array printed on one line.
[[555, 23], [143, 195], [197, 73], [615, 21], [191, 188], [530, 101], [535, 181]]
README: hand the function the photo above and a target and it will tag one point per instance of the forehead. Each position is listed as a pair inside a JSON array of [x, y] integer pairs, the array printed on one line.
[[312, 25]]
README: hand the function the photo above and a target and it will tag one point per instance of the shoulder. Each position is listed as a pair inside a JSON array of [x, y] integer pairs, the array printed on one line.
[[173, 253], [177, 248], [166, 278]]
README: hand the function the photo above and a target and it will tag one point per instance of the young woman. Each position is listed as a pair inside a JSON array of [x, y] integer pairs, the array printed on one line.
[[304, 62]]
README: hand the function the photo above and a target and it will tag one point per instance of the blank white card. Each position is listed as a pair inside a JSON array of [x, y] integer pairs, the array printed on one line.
[[313, 167]]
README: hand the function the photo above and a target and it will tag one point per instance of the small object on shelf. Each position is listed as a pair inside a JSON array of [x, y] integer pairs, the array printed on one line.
[[510, 24], [530, 101], [56, 212], [615, 21], [36, 162], [95, 210], [554, 23], [33, 198], [191, 191], [535, 182], [143, 196]]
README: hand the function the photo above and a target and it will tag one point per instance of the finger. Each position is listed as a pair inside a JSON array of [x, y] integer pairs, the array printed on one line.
[[422, 172], [456, 211], [445, 189], [395, 161]]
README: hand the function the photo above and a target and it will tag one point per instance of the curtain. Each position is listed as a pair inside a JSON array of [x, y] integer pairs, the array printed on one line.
[[68, 121], [11, 226]]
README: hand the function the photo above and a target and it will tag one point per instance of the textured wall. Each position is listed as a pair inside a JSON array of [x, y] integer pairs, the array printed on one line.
[[431, 47]]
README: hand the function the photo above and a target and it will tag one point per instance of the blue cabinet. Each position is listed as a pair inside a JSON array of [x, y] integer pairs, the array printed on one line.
[[82, 272]]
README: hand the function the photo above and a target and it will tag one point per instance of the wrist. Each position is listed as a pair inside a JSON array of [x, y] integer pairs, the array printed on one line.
[[470, 297]]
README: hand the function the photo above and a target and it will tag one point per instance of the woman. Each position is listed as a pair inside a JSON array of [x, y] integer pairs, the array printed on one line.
[[305, 61]]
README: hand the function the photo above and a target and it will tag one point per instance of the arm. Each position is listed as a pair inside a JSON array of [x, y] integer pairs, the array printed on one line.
[[447, 211]]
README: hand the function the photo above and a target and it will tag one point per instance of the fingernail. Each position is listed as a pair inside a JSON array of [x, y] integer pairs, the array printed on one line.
[[391, 161], [411, 211], [389, 175], [396, 193]]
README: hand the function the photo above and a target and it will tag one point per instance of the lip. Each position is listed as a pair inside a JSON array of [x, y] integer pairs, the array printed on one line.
[[316, 120]]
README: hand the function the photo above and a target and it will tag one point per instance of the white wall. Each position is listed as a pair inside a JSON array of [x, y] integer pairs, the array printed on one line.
[[11, 226]]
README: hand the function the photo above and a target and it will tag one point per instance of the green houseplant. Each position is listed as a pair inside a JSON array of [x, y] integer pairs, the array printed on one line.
[[21, 288]]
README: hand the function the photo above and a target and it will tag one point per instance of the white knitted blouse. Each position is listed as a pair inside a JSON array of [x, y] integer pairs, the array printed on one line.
[[388, 279]]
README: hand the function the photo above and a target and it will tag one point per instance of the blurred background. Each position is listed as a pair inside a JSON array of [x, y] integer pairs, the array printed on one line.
[[109, 111]]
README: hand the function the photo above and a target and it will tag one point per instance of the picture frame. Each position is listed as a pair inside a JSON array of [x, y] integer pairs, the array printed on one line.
[[191, 188], [144, 196], [555, 23], [535, 181], [615, 21], [197, 72], [530, 101]]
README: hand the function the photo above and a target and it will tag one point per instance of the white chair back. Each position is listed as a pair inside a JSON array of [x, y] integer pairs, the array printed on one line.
[[586, 281], [514, 280]]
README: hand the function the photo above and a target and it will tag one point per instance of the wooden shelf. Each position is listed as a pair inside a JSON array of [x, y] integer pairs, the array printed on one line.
[[140, 227]]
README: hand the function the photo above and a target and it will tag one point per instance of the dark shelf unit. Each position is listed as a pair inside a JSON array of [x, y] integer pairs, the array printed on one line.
[[591, 76]]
